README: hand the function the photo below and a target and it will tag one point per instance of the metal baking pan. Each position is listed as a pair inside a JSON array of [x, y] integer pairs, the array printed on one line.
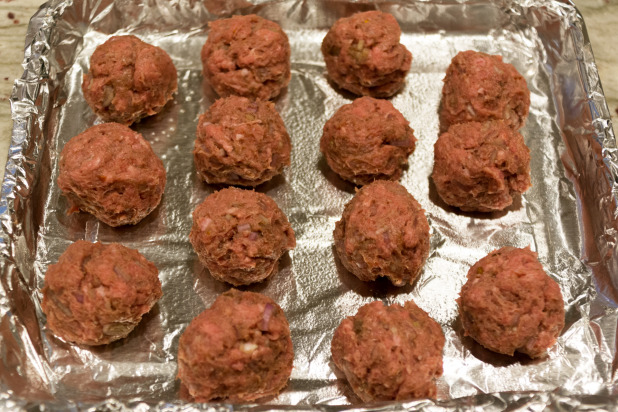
[[568, 216]]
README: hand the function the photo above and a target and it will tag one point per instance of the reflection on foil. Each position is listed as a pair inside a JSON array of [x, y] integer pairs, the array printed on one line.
[[568, 216]]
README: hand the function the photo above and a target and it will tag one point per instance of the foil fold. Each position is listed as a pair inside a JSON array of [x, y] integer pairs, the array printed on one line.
[[568, 217]]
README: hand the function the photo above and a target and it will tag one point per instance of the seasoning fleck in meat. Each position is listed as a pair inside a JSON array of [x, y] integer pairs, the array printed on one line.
[[96, 294], [129, 80], [389, 352], [364, 56], [479, 87], [239, 235], [239, 349], [111, 172], [509, 304], [367, 140], [241, 142], [481, 166], [247, 56], [383, 232]]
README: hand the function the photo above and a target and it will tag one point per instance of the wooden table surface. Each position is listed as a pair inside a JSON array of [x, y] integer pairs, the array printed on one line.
[[601, 17]]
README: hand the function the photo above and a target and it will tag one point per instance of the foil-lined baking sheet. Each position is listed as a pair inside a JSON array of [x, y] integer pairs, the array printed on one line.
[[568, 216]]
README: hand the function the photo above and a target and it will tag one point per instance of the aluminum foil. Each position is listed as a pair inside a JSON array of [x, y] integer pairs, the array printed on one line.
[[568, 216]]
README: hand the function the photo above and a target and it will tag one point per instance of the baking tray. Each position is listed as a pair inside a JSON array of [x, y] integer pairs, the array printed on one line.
[[568, 216]]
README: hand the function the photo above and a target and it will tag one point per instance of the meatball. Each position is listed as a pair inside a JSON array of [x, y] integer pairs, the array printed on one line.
[[367, 140], [389, 352], [97, 293], [479, 87], [481, 166], [129, 80], [363, 54], [241, 142], [383, 232], [111, 172], [509, 304], [238, 349], [247, 56], [239, 235]]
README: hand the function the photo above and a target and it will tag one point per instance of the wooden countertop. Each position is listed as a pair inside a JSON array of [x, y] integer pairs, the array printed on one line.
[[601, 17]]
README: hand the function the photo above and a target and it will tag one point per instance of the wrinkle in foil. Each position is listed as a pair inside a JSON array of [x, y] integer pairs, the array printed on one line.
[[567, 217]]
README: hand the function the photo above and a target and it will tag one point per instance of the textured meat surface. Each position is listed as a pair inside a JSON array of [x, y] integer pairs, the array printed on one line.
[[97, 293], [479, 87], [247, 56], [383, 232], [238, 349], [481, 166], [363, 54], [129, 80], [389, 352], [111, 172], [239, 235], [509, 304], [367, 140], [241, 142]]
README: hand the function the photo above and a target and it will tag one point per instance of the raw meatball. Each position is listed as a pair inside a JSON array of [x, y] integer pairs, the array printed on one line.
[[111, 172], [363, 54], [129, 80], [238, 349], [241, 142], [481, 166], [509, 303], [98, 293], [239, 235], [367, 140], [383, 232], [479, 87], [247, 56], [389, 352]]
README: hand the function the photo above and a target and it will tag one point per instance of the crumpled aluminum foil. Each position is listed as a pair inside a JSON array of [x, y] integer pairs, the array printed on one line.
[[568, 216]]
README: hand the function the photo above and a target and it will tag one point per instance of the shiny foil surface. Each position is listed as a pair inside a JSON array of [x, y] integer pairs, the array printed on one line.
[[568, 216]]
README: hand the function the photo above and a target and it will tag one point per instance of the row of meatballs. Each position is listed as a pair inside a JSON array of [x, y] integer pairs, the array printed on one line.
[[245, 56], [240, 348], [386, 352], [111, 171]]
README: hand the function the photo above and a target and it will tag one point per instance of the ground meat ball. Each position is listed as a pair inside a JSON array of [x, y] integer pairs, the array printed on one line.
[[389, 352], [479, 87], [247, 56], [111, 172], [97, 293], [239, 235], [238, 349], [129, 80], [241, 142], [481, 166], [509, 304], [383, 232], [363, 54], [367, 140]]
